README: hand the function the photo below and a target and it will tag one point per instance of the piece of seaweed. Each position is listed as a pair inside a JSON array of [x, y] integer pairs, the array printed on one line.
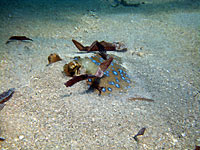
[[76, 79], [100, 46], [126, 4], [52, 58], [2, 139], [5, 96], [1, 106], [141, 99], [141, 132], [19, 38], [197, 147], [103, 66]]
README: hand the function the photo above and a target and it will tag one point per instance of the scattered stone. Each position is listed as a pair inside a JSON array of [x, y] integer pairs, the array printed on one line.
[[53, 58], [21, 137], [2, 139]]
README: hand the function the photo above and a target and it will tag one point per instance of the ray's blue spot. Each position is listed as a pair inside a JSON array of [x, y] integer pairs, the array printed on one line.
[[115, 73], [76, 58], [128, 81], [106, 74], [123, 78], [103, 90], [94, 61], [97, 63], [101, 59], [89, 80], [121, 74], [112, 64], [116, 79], [117, 85], [127, 87], [109, 89], [111, 82], [120, 71], [113, 68]]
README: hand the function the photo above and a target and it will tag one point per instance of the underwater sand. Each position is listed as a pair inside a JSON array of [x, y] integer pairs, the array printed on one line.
[[163, 60]]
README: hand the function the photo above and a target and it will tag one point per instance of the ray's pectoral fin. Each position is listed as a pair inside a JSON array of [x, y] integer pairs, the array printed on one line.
[[79, 45]]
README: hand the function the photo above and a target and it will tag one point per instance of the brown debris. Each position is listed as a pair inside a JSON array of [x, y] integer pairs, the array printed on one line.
[[5, 96], [76, 79], [80, 46], [19, 38], [53, 58], [2, 139], [141, 132], [103, 55], [197, 147], [141, 99], [126, 4], [2, 106], [103, 66], [73, 67], [100, 46]]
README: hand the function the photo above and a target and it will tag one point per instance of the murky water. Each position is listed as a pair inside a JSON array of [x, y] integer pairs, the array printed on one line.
[[162, 60]]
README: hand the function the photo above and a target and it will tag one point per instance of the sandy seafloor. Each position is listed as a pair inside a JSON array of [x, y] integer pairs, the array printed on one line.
[[163, 60]]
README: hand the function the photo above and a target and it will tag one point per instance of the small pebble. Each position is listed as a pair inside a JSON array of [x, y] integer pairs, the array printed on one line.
[[21, 137], [2, 139], [183, 134], [140, 54], [137, 109]]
